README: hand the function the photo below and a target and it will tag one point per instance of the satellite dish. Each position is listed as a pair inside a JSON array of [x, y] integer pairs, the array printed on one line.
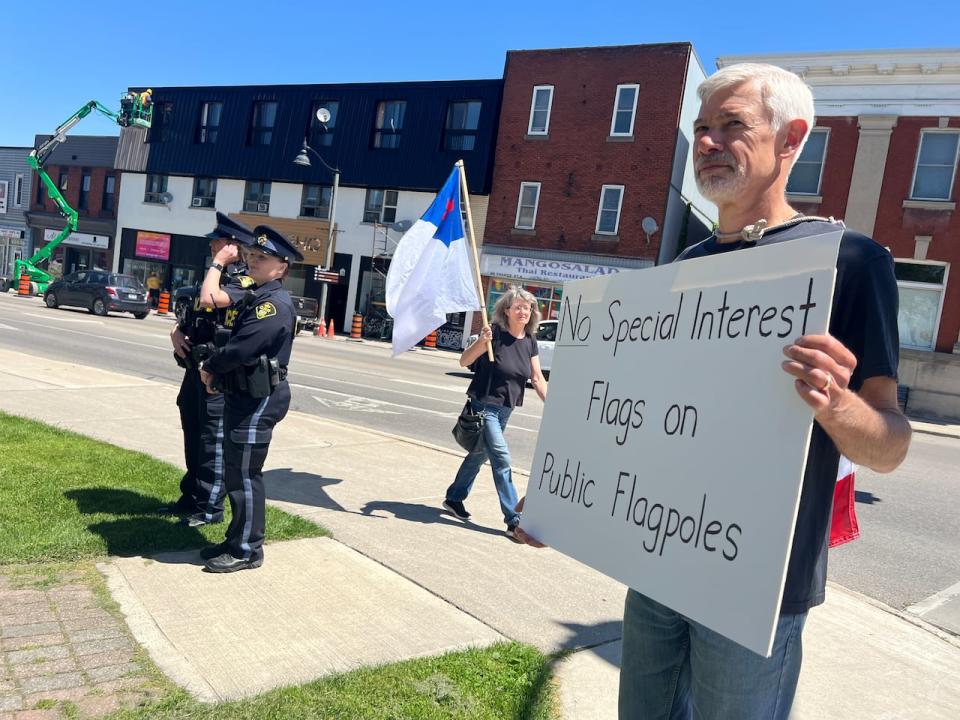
[[402, 226], [649, 225], [166, 198], [323, 115]]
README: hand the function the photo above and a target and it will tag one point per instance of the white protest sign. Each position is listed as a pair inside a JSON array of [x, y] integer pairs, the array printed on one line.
[[672, 447]]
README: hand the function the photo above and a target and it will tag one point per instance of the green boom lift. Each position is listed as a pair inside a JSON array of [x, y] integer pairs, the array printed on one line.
[[136, 109]]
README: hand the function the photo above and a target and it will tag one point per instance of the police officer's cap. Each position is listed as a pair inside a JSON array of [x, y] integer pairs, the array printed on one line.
[[271, 242], [229, 229]]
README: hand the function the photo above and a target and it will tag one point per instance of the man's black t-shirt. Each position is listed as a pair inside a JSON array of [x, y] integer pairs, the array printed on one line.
[[864, 319], [507, 376]]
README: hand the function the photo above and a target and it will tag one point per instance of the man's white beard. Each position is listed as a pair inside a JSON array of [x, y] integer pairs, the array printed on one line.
[[722, 189]]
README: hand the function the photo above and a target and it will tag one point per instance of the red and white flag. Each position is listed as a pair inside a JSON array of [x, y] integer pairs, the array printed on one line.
[[844, 527]]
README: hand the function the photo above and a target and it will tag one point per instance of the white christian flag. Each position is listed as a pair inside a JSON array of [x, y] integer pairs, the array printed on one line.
[[430, 274]]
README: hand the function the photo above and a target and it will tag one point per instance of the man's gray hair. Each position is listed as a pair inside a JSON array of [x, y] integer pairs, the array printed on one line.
[[785, 96]]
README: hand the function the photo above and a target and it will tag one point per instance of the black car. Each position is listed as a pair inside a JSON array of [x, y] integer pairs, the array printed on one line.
[[99, 292], [306, 307]]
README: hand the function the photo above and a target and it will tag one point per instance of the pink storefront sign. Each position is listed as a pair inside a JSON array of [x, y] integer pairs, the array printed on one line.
[[154, 246]]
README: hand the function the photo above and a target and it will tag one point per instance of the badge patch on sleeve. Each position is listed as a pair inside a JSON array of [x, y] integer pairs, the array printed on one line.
[[246, 281], [265, 310]]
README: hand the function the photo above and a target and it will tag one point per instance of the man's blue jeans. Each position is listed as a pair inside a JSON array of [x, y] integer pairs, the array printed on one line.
[[673, 668], [494, 446]]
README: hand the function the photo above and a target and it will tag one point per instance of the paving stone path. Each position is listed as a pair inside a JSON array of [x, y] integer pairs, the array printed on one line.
[[63, 655]]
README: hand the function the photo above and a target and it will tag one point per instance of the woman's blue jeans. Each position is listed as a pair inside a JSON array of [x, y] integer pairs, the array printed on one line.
[[673, 668], [494, 447]]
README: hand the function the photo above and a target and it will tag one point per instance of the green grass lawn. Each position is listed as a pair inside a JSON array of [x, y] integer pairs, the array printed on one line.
[[64, 496], [66, 500]]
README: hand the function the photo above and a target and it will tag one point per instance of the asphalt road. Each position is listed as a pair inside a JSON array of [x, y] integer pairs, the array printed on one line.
[[910, 533]]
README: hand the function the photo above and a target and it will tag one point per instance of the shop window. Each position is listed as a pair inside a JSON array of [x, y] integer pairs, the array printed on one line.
[[921, 286], [380, 206], [808, 169], [624, 110], [389, 123], [548, 296], [460, 132], [316, 201], [540, 105], [936, 165], [256, 198], [321, 134]]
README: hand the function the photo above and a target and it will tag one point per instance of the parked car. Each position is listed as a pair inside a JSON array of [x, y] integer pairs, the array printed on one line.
[[546, 339], [99, 292], [307, 308]]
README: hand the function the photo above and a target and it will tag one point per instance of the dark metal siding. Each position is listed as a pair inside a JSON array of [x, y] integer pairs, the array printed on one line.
[[84, 150], [419, 163]]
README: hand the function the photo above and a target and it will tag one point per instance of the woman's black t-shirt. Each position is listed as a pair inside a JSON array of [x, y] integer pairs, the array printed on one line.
[[507, 377]]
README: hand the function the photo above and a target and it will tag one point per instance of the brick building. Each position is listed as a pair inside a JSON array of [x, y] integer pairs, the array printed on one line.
[[83, 169], [592, 173], [883, 156]]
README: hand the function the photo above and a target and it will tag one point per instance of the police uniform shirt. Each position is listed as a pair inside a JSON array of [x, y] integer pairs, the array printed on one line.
[[263, 325], [235, 283]]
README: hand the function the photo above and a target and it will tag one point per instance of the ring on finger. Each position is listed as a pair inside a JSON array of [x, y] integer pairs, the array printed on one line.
[[827, 384]]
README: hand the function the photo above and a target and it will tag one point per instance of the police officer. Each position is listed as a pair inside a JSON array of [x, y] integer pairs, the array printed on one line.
[[252, 371], [195, 336]]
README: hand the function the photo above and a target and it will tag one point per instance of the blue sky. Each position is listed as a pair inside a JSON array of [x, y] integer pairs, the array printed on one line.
[[80, 51]]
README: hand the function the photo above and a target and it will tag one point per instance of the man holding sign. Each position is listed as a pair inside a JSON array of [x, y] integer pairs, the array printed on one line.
[[753, 122]]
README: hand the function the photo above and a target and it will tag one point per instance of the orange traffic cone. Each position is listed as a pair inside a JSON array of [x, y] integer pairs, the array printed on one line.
[[330, 332], [321, 330]]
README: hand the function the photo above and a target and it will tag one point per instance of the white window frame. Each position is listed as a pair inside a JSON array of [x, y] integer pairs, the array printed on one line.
[[823, 161], [533, 105], [4, 197], [910, 285], [536, 206], [603, 191], [383, 206], [916, 163], [633, 113], [18, 190]]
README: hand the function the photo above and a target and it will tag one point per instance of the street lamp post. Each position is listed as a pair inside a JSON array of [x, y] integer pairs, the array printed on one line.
[[304, 159]]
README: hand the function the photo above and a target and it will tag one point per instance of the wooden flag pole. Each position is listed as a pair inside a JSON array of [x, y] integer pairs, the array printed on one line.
[[465, 193]]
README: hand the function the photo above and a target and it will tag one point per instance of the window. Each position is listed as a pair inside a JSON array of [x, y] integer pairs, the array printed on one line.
[[608, 216], [84, 203], [808, 169], [624, 110], [261, 125], [210, 113], [156, 186], [936, 165], [381, 206], [41, 191], [257, 197], [461, 129], [18, 190], [162, 119], [204, 193], [540, 107], [389, 123], [921, 286], [316, 201], [109, 192], [527, 206], [321, 134], [63, 181]]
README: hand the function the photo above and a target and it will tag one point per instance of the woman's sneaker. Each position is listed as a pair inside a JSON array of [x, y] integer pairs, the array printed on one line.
[[456, 508], [512, 533]]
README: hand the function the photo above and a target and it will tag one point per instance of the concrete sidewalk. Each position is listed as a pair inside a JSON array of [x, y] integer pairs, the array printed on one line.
[[402, 579]]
